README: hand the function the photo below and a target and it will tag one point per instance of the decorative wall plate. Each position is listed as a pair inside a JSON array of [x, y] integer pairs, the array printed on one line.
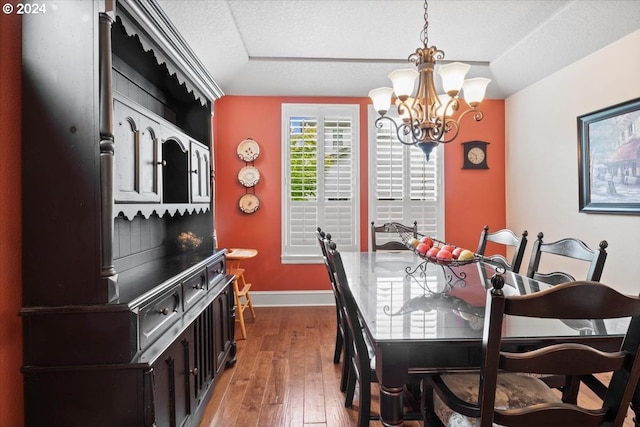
[[248, 150], [249, 176], [249, 203]]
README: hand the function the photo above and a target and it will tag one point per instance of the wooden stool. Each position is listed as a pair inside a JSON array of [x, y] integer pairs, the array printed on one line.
[[240, 286], [242, 298]]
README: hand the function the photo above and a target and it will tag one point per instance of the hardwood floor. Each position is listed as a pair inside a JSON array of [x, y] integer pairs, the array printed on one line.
[[285, 375]]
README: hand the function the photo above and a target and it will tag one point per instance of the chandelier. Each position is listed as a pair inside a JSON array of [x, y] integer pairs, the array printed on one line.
[[427, 118]]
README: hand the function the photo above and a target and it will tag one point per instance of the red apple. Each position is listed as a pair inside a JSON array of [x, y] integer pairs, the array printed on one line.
[[444, 255], [422, 248], [449, 248], [456, 252], [432, 252], [427, 240]]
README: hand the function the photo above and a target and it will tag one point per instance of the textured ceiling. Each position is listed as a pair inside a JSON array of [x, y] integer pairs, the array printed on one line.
[[346, 47]]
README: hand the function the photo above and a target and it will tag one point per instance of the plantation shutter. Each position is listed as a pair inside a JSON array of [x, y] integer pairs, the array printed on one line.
[[404, 186], [319, 163], [339, 181]]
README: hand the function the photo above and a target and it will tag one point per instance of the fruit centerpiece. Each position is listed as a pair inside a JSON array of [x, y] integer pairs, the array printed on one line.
[[437, 252], [440, 252], [443, 254]]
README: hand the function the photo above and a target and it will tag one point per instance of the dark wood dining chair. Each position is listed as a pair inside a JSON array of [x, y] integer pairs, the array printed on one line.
[[500, 394], [504, 237], [323, 240], [359, 355], [568, 247], [391, 232], [577, 250], [320, 235]]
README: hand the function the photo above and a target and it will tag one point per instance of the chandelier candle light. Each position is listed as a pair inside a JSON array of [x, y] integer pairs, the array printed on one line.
[[426, 116]]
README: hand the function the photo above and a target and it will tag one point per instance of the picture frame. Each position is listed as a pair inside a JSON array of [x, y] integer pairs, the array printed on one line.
[[609, 159]]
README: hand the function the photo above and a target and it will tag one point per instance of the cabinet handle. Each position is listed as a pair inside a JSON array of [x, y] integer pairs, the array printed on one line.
[[162, 163], [176, 299], [194, 371], [164, 311], [194, 171], [201, 284]]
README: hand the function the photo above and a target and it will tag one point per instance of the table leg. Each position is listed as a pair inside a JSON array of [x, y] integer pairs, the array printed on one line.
[[391, 406], [635, 406]]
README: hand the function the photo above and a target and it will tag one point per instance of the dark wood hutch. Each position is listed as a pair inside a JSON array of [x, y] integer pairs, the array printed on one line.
[[123, 325]]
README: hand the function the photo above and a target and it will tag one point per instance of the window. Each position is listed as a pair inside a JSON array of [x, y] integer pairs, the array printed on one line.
[[403, 186], [320, 167]]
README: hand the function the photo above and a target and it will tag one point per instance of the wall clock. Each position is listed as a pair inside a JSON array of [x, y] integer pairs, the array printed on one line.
[[475, 155]]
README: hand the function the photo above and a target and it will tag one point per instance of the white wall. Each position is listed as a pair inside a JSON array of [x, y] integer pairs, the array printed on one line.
[[542, 158]]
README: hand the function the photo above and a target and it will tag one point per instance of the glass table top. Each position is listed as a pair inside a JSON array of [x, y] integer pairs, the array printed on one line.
[[403, 297]]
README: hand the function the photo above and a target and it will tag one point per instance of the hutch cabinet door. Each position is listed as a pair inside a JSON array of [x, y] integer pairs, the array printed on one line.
[[136, 156], [224, 326], [149, 187], [172, 383], [200, 165]]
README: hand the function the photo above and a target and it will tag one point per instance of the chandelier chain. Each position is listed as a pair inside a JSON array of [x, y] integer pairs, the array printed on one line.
[[424, 36]]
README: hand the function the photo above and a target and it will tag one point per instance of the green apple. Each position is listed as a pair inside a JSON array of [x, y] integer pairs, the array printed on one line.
[[465, 255]]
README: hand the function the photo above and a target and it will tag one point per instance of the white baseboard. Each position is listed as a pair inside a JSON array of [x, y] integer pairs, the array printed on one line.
[[291, 298]]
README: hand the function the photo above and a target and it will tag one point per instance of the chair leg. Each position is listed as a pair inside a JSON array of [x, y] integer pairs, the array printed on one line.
[[338, 349], [253, 313], [239, 312], [427, 406], [346, 362], [344, 377], [339, 338], [364, 404], [352, 379]]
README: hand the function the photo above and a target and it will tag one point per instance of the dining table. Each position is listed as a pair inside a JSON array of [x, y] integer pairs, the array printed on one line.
[[425, 317]]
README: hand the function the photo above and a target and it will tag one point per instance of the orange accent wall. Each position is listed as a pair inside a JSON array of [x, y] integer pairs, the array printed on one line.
[[11, 395], [473, 198]]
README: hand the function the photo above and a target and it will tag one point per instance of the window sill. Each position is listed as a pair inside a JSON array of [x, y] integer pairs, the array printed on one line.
[[301, 259]]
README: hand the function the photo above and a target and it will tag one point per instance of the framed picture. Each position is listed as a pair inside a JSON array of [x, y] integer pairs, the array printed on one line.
[[609, 159]]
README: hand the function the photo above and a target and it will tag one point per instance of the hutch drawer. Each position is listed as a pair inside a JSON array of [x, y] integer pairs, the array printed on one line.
[[193, 289], [158, 315], [216, 271]]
